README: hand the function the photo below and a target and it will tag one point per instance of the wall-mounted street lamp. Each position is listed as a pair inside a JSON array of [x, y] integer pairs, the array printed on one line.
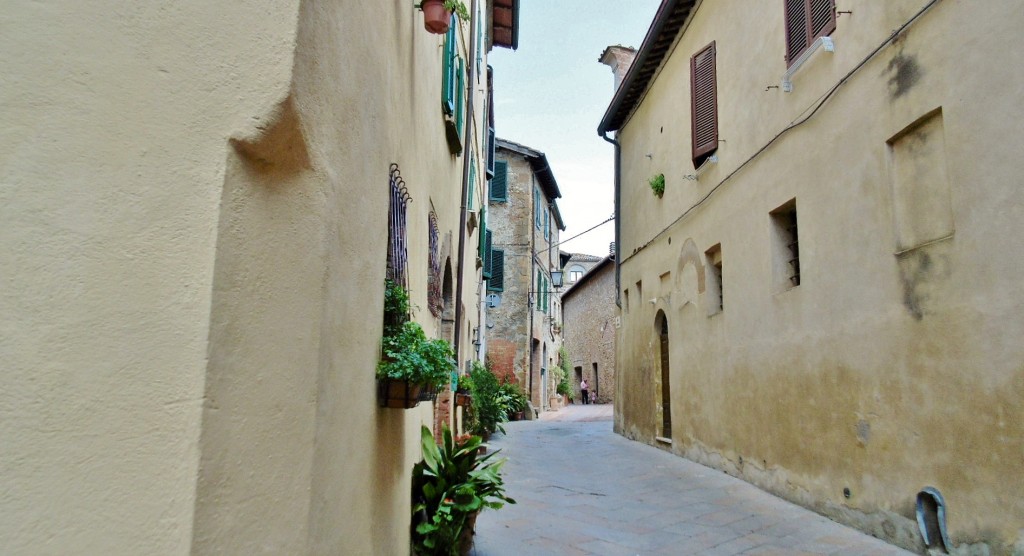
[[556, 278]]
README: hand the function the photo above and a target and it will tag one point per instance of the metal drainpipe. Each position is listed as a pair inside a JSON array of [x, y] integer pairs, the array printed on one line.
[[467, 141], [529, 296], [618, 201]]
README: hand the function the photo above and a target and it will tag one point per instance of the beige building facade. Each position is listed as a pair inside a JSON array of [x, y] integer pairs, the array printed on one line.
[[826, 300], [591, 321], [195, 203]]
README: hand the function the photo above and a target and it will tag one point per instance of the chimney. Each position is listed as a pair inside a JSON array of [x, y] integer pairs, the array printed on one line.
[[620, 59]]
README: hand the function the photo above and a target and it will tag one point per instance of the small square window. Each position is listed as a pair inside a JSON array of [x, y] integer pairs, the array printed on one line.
[[786, 246], [713, 266]]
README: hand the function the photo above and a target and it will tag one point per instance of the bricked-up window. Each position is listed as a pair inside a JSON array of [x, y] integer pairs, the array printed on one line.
[[434, 299], [497, 281], [704, 104], [786, 239], [806, 20], [499, 183]]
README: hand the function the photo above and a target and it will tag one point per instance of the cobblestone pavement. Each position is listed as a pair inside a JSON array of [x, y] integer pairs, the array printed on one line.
[[583, 489]]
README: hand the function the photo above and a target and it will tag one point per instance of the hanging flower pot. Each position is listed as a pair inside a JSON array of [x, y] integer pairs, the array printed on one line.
[[436, 18]]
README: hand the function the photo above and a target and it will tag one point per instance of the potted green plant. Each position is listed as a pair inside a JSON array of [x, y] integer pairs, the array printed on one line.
[[486, 415], [464, 391], [450, 487], [437, 14], [411, 366]]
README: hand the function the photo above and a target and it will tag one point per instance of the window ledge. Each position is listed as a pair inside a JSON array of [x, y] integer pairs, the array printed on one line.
[[708, 162], [787, 79], [663, 440]]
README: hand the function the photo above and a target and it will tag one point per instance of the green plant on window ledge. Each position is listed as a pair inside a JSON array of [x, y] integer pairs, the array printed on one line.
[[410, 363], [657, 184], [458, 8]]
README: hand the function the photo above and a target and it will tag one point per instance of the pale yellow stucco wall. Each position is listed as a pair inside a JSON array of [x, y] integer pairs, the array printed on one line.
[[194, 200], [884, 371]]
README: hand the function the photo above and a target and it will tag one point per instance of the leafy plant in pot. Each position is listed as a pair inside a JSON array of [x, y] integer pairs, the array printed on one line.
[[437, 14], [412, 366], [449, 488]]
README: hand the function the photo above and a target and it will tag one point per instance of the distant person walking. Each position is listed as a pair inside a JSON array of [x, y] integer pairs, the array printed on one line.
[[583, 392]]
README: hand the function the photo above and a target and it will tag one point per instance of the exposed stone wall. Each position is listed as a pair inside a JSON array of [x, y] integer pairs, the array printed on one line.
[[589, 329], [517, 329]]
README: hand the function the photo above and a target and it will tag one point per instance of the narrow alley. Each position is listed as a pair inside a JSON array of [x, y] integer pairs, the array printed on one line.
[[582, 489]]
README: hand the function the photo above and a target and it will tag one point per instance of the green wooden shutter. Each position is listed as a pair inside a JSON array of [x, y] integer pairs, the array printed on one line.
[[499, 183], [483, 228], [490, 151], [448, 69], [487, 254], [460, 95], [497, 281]]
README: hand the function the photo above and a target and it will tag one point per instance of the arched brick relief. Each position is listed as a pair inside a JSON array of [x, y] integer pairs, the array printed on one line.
[[691, 273]]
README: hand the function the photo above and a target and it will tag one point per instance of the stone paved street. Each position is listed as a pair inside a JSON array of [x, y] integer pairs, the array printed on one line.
[[584, 490]]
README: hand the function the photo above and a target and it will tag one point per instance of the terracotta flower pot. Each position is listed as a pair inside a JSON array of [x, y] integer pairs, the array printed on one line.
[[435, 18]]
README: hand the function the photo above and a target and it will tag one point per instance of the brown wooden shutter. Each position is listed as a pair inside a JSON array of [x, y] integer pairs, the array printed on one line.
[[704, 105], [796, 29], [823, 18], [806, 20]]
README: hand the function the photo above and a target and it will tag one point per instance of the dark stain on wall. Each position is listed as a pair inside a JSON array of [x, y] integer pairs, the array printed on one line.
[[904, 72], [920, 274]]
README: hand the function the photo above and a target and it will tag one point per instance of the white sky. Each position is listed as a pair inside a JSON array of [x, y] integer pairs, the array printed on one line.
[[550, 95]]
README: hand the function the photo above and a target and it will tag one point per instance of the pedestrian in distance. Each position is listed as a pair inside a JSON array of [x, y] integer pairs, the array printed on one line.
[[583, 392]]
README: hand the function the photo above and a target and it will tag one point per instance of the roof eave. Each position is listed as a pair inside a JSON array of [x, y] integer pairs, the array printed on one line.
[[668, 21]]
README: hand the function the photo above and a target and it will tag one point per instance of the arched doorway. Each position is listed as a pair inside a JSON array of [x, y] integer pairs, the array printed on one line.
[[664, 394]]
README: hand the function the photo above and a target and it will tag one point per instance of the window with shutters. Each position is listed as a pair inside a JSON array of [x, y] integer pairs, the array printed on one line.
[[806, 20], [499, 183], [704, 104], [536, 207], [482, 246], [487, 254], [497, 281], [453, 85]]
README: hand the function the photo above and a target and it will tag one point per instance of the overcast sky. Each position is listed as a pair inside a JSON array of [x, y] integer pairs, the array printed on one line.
[[550, 95]]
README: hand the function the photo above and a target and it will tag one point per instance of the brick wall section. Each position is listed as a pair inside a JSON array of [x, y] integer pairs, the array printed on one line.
[[590, 313]]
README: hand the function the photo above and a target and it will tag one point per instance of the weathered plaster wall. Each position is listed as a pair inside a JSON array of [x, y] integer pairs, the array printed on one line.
[[590, 330], [889, 367], [195, 205], [115, 122]]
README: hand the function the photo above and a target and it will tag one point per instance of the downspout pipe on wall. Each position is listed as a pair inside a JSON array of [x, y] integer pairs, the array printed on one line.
[[618, 200], [467, 143]]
